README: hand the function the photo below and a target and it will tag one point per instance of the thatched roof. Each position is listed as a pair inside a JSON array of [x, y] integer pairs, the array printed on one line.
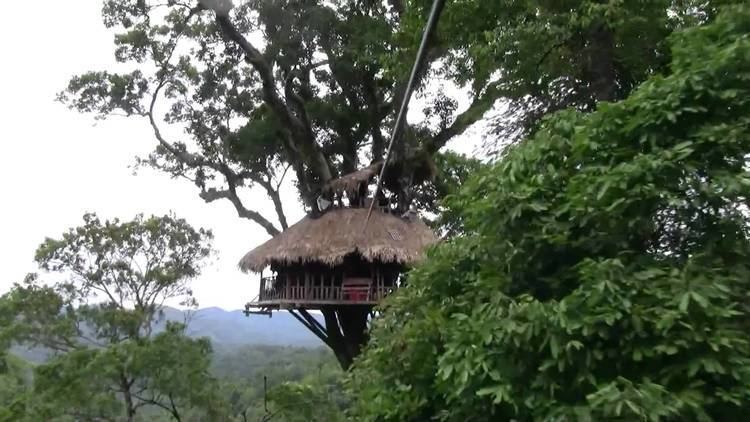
[[338, 233], [352, 181]]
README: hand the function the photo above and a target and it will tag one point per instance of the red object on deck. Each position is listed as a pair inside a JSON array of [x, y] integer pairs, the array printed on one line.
[[356, 289]]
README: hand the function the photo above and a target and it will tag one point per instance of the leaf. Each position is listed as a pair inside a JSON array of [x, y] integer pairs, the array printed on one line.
[[603, 190], [684, 302]]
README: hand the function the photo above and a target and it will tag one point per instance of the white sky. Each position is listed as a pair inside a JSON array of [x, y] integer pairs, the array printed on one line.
[[57, 164]]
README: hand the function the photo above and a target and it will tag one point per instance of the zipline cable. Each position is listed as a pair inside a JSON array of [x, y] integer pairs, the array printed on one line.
[[437, 8]]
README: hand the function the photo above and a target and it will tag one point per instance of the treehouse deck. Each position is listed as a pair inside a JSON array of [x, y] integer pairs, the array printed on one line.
[[313, 292]]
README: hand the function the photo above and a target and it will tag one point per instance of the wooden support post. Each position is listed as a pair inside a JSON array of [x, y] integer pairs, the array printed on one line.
[[287, 287], [306, 293], [311, 324], [265, 393]]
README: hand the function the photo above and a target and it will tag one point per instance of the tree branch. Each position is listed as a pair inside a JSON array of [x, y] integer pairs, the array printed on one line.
[[308, 68], [174, 411], [213, 194], [304, 138], [481, 105], [152, 401], [256, 59], [196, 161], [376, 117], [283, 176], [276, 199], [182, 156]]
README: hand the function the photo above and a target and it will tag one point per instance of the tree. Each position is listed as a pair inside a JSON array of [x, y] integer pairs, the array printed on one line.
[[603, 273], [544, 56], [280, 383], [452, 171], [265, 89], [14, 388], [14, 372], [100, 321], [303, 402], [315, 100]]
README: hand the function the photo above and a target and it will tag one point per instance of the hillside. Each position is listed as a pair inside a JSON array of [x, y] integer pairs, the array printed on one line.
[[233, 328], [226, 329]]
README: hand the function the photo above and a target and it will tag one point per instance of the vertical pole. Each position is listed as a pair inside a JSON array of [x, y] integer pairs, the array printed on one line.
[[265, 393], [261, 294], [307, 284]]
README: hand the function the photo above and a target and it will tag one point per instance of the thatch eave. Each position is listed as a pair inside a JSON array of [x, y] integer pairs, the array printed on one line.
[[338, 233]]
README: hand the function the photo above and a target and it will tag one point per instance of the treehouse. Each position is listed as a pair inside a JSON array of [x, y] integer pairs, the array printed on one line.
[[330, 260], [337, 261], [334, 258]]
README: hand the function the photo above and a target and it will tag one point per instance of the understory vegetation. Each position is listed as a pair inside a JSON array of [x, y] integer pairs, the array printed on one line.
[[272, 382]]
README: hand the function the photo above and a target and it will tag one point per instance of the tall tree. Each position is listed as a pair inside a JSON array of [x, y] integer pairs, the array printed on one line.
[[544, 56], [99, 321], [603, 274], [266, 89]]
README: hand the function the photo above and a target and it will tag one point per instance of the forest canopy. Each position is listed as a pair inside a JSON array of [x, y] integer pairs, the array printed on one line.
[[603, 273]]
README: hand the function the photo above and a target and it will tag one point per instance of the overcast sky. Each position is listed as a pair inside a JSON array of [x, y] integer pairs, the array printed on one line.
[[56, 164]]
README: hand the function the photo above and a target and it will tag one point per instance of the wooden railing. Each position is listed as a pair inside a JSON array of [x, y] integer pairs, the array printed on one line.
[[272, 291]]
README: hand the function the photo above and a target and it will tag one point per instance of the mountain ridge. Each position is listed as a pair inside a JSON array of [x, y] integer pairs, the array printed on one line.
[[226, 330]]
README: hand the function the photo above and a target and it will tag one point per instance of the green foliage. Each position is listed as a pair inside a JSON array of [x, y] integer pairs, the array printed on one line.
[[105, 92], [98, 322], [299, 382], [311, 97], [14, 371], [15, 380], [167, 371], [604, 270], [544, 56], [277, 363], [301, 402], [452, 171]]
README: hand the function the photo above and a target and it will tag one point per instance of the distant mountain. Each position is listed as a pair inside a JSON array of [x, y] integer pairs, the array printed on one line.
[[233, 328], [225, 329]]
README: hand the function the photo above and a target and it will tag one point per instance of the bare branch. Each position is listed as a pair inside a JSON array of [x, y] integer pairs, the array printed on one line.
[[283, 176], [171, 408], [213, 194], [193, 160], [305, 69], [276, 199]]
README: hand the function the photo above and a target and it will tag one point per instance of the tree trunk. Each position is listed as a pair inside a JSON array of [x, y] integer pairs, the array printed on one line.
[[129, 406], [346, 327], [601, 63]]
